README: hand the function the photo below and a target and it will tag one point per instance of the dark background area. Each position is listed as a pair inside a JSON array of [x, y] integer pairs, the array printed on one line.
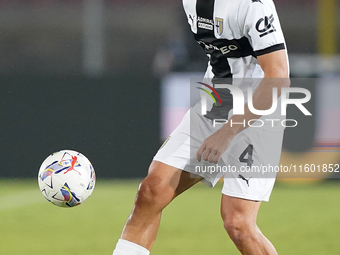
[[114, 121]]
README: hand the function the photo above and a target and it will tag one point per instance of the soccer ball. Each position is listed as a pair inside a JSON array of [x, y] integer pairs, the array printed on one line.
[[66, 178]]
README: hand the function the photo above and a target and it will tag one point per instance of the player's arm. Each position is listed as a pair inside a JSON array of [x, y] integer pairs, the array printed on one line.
[[275, 64], [276, 75]]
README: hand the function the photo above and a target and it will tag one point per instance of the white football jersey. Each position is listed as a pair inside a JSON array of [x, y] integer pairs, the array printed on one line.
[[233, 33]]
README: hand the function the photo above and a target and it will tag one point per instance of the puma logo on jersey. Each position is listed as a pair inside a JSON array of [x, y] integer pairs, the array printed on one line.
[[243, 178], [265, 25], [256, 1], [191, 18]]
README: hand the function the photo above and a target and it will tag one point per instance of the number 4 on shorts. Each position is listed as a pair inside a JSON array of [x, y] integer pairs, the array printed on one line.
[[247, 152]]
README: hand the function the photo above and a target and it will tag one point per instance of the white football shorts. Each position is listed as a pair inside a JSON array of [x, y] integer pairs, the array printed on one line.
[[248, 166]]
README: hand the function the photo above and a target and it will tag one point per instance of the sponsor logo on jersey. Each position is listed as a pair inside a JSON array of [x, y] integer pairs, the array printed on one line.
[[225, 49], [265, 25], [219, 25], [205, 23]]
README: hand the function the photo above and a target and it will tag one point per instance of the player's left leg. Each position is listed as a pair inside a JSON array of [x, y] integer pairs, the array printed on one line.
[[239, 217]]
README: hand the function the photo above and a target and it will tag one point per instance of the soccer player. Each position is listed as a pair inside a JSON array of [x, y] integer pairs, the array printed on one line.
[[246, 48]]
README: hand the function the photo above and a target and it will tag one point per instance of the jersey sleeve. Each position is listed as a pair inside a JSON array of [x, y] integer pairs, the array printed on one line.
[[261, 26]]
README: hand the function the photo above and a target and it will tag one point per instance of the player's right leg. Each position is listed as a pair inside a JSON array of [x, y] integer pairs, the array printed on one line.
[[162, 184]]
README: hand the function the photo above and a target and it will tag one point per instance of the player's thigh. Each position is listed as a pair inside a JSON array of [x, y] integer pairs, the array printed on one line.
[[165, 178], [239, 212]]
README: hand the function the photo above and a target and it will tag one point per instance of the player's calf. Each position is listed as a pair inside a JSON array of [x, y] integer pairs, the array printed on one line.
[[142, 225], [240, 232], [239, 218], [248, 238]]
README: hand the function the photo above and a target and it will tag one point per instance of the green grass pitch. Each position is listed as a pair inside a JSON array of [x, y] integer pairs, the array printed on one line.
[[299, 219]]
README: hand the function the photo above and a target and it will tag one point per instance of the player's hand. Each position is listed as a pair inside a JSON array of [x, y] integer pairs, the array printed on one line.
[[214, 146]]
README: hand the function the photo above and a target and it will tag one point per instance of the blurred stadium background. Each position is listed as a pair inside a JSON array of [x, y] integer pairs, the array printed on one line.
[[93, 76]]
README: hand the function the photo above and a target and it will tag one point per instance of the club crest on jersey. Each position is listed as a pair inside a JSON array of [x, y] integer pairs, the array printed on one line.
[[219, 25]]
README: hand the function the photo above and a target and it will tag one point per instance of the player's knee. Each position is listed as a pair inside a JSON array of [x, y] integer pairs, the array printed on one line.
[[152, 193], [239, 229], [147, 192]]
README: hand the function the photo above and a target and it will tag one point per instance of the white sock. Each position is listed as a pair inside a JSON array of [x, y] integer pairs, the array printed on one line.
[[124, 247]]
